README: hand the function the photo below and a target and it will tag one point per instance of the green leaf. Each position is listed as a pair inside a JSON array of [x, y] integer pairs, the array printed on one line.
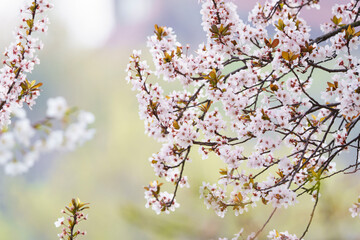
[[280, 25]]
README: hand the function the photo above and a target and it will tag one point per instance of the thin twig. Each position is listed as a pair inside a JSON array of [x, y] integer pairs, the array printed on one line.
[[311, 215], [267, 221]]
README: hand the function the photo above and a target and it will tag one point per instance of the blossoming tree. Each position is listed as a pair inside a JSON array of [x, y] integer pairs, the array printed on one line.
[[252, 84], [63, 128]]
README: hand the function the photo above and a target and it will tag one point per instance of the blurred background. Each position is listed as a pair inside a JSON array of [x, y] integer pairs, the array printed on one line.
[[86, 51]]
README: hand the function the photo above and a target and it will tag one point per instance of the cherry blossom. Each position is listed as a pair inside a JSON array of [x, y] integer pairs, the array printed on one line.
[[247, 96], [20, 58], [75, 215], [355, 209], [23, 142], [275, 235], [59, 222], [57, 107]]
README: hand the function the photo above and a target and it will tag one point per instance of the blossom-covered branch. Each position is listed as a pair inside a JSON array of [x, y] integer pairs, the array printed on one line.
[[252, 85], [75, 215], [20, 59], [62, 129]]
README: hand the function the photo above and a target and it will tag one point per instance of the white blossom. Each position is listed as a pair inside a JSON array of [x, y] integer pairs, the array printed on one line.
[[57, 107]]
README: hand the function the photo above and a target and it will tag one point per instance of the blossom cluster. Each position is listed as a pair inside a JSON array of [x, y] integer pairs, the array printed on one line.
[[20, 57], [355, 209], [275, 235], [23, 142], [247, 97], [75, 215], [159, 201]]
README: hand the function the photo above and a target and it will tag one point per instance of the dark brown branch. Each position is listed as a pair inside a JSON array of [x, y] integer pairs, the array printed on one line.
[[217, 12], [267, 221], [19, 69], [71, 237], [326, 69], [333, 33], [192, 98], [312, 214], [179, 179]]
